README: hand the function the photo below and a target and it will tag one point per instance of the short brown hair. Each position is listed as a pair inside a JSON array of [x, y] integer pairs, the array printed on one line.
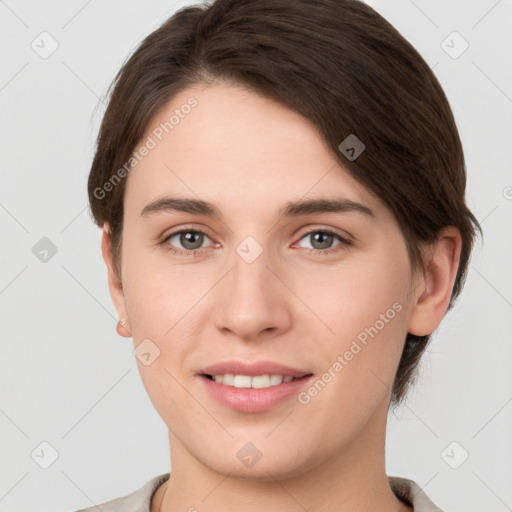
[[342, 66]]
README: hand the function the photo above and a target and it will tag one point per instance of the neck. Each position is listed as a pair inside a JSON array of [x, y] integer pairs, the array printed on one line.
[[351, 479]]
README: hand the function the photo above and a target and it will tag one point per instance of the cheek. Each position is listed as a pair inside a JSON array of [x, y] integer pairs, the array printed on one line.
[[164, 304], [349, 298], [366, 313], [156, 294], [363, 308]]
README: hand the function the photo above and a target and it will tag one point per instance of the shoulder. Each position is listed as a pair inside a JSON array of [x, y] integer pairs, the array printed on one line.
[[409, 491], [137, 501]]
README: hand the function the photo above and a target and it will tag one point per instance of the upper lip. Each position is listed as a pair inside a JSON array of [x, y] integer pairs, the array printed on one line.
[[252, 369]]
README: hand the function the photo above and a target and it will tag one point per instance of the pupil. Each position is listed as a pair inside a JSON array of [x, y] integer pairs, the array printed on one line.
[[328, 239], [188, 237]]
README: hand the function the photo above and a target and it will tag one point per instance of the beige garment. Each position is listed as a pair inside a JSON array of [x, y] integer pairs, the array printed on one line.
[[140, 500]]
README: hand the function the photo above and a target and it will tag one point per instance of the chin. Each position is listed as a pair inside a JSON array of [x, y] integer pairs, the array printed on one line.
[[276, 465]]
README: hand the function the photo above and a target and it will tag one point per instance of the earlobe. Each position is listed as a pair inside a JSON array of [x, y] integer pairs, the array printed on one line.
[[432, 296], [114, 284], [123, 328]]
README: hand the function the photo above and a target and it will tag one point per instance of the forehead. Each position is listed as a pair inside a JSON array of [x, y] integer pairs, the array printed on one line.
[[234, 146]]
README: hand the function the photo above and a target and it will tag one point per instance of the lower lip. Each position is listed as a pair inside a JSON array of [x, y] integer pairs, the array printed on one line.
[[254, 399]]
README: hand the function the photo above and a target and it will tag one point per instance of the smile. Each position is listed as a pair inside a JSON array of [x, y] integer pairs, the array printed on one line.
[[248, 381]]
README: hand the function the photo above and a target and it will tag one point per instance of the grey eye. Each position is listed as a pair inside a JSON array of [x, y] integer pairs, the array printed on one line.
[[320, 239], [189, 239]]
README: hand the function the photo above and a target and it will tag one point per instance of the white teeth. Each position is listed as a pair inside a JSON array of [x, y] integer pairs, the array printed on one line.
[[276, 379], [242, 381], [246, 381]]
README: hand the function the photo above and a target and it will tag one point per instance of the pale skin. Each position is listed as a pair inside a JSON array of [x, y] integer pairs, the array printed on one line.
[[250, 156]]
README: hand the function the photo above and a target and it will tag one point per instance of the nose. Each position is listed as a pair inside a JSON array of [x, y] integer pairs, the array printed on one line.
[[253, 303]]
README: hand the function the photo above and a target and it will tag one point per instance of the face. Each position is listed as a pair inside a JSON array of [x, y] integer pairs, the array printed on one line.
[[327, 293]]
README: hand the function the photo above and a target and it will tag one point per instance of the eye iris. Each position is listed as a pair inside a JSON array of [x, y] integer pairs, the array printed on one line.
[[325, 240], [188, 237]]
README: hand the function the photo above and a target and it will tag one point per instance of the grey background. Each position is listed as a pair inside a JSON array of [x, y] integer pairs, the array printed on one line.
[[69, 380]]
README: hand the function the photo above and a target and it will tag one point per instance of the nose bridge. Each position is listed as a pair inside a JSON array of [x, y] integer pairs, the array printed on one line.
[[250, 275], [249, 250], [251, 302]]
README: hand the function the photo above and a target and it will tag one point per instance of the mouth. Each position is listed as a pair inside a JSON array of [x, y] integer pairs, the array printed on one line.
[[254, 393], [253, 381]]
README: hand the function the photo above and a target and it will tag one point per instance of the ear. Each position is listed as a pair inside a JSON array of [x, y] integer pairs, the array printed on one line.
[[433, 291], [114, 283]]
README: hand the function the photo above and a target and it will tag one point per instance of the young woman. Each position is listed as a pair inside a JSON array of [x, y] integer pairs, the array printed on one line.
[[281, 191]]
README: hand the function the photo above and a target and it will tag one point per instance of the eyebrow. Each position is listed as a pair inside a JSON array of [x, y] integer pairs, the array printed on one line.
[[290, 209]]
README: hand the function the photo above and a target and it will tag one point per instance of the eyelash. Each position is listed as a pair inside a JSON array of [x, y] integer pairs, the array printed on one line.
[[195, 252]]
